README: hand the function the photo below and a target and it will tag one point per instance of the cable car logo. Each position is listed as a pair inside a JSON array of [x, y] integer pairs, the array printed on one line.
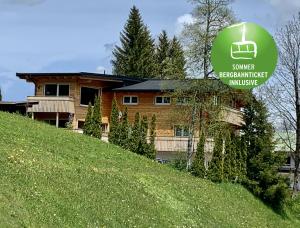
[[243, 49]]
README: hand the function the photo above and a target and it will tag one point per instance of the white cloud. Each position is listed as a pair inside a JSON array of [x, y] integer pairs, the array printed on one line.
[[182, 20], [100, 69]]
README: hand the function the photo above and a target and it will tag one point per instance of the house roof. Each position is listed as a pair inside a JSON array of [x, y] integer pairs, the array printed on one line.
[[109, 77], [157, 85]]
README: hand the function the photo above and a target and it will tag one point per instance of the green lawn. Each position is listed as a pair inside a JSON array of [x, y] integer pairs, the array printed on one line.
[[54, 178]]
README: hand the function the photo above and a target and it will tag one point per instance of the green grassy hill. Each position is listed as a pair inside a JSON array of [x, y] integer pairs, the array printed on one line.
[[54, 178]]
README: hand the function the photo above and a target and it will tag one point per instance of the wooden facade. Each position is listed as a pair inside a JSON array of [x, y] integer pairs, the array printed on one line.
[[60, 108]]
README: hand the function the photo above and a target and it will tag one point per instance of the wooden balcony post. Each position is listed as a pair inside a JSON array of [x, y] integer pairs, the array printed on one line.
[[57, 119]]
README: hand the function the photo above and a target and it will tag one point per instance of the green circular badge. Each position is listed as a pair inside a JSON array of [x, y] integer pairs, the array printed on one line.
[[244, 55]]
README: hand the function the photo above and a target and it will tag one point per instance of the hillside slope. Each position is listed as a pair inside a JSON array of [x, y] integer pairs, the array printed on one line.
[[54, 178]]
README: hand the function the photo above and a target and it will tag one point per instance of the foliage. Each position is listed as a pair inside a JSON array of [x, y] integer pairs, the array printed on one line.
[[136, 55], [87, 127], [97, 119], [216, 169], [198, 166], [209, 17], [113, 135], [170, 58], [262, 163], [151, 153], [135, 134], [0, 95], [124, 130], [56, 178]]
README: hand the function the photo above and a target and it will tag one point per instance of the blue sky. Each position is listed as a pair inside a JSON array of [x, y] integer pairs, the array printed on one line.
[[78, 35]]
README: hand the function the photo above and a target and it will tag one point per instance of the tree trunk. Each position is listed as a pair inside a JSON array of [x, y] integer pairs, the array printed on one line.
[[190, 139], [297, 152]]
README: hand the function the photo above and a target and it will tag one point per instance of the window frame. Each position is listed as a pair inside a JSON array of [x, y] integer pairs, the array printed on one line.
[[91, 87], [185, 99], [130, 96], [163, 103], [182, 130], [57, 89]]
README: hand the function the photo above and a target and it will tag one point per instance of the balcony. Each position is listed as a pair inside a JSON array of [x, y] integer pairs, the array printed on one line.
[[51, 104], [232, 116]]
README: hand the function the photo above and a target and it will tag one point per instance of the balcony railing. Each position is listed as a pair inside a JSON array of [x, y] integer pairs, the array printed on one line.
[[52, 104], [232, 116]]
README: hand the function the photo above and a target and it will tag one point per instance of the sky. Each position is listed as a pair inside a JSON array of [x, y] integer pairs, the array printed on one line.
[[79, 35]]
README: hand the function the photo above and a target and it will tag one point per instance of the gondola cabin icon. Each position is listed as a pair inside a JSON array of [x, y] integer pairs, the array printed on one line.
[[243, 49]]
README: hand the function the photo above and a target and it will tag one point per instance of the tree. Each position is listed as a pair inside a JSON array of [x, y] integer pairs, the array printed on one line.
[[262, 163], [162, 53], [124, 130], [283, 92], [135, 135], [136, 55], [87, 127], [151, 153], [198, 167], [96, 119], [143, 146], [230, 159], [209, 17], [177, 59], [0, 95], [170, 58], [216, 169], [113, 135]]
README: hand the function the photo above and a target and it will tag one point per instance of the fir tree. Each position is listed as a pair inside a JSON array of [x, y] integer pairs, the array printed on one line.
[[143, 146], [198, 166], [262, 163], [113, 135], [136, 55], [151, 153], [170, 58], [177, 60], [87, 127], [163, 51], [215, 170], [230, 159], [96, 119], [124, 130], [135, 134]]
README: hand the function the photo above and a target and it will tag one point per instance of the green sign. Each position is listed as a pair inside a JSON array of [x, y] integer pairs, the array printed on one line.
[[244, 55]]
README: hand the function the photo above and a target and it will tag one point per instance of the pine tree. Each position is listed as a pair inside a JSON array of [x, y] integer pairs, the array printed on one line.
[[198, 166], [113, 135], [151, 153], [215, 170], [143, 146], [177, 60], [262, 163], [136, 56], [124, 130], [96, 119], [0, 95], [230, 163], [162, 55], [170, 58], [134, 140], [87, 127]]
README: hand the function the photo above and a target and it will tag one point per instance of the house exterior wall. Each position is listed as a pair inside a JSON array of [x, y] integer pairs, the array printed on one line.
[[168, 116]]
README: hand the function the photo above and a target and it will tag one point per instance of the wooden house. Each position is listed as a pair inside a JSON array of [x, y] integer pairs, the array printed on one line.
[[65, 96]]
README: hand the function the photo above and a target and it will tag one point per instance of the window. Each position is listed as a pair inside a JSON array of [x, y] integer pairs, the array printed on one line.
[[182, 100], [133, 100], [162, 100], [181, 131], [57, 90], [80, 124], [104, 127], [216, 100], [288, 161], [88, 95], [51, 90]]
